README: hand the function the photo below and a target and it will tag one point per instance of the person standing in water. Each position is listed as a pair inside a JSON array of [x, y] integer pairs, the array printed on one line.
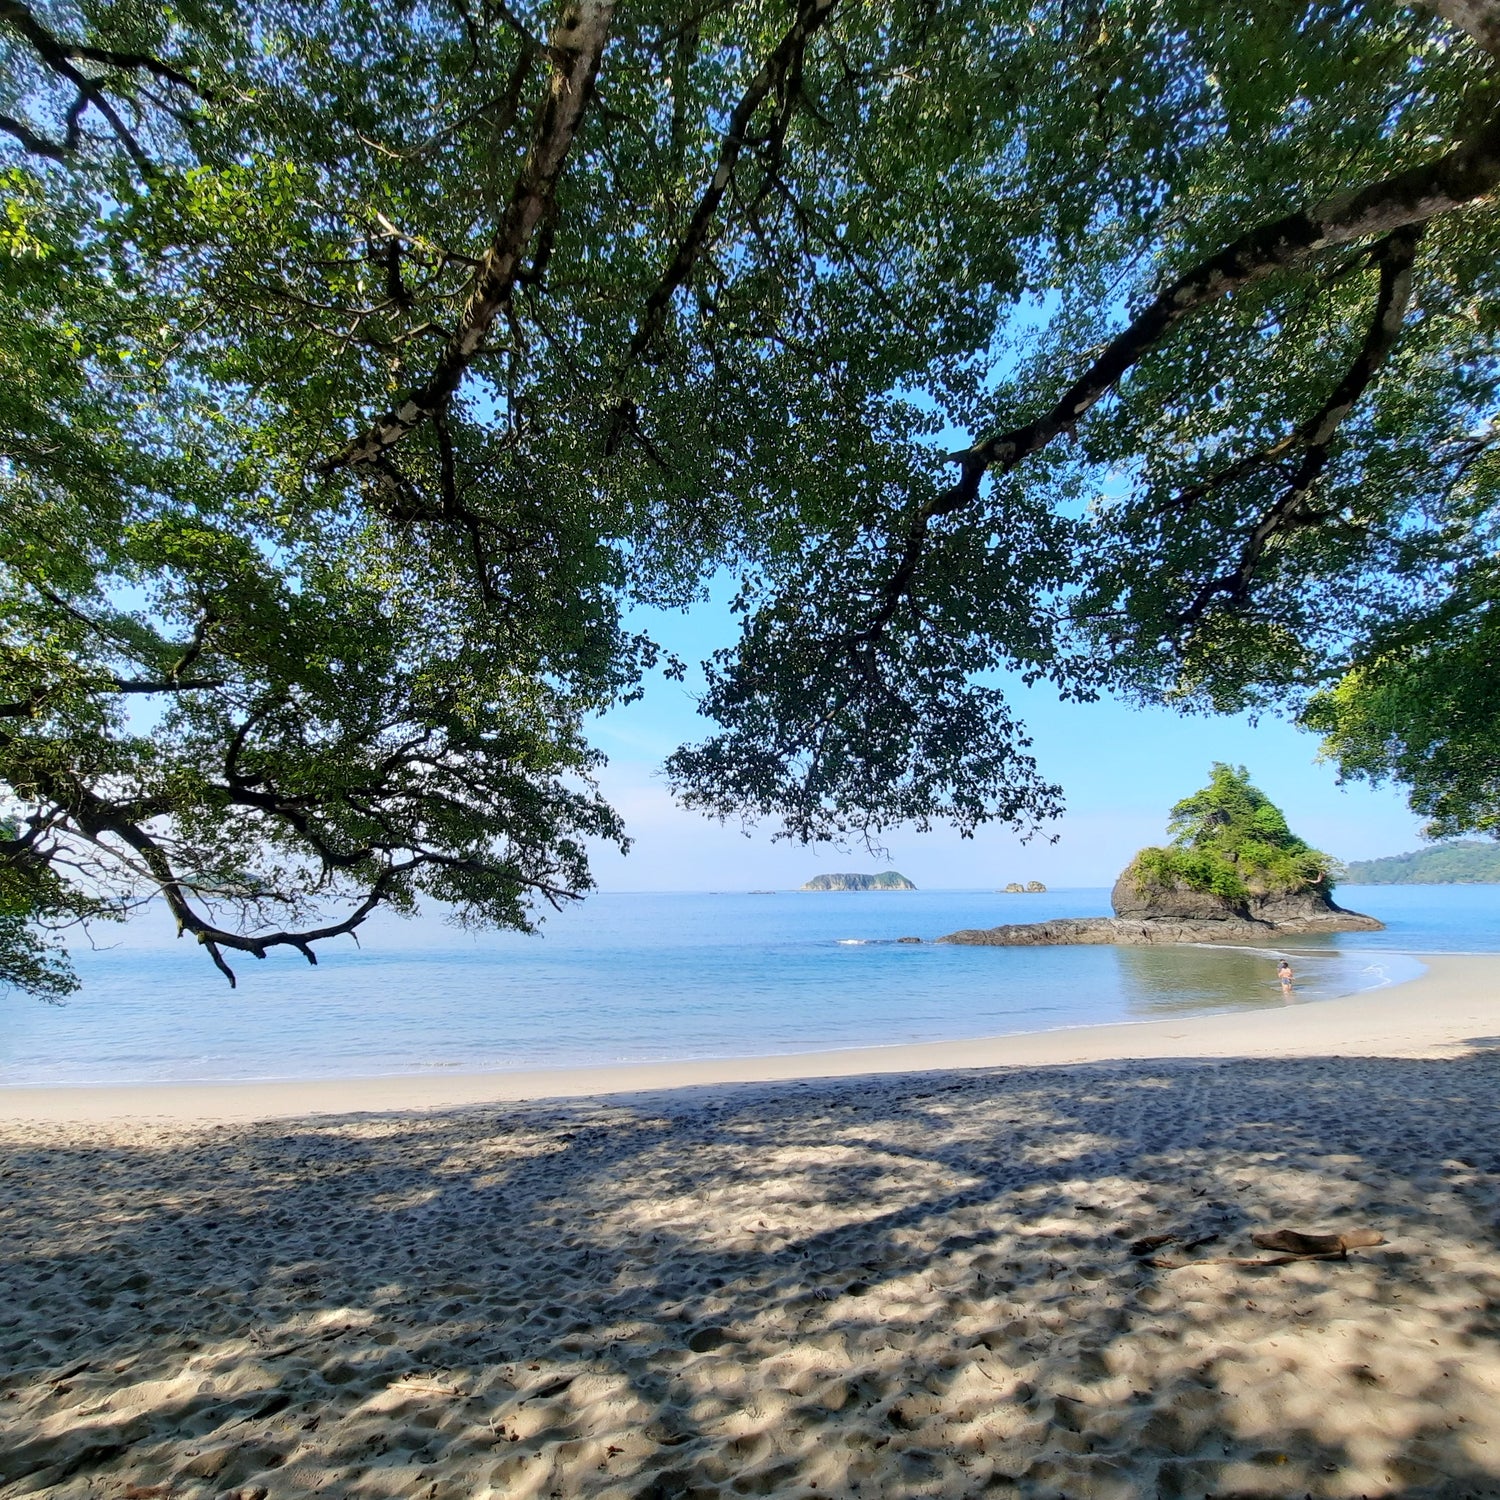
[[1285, 975]]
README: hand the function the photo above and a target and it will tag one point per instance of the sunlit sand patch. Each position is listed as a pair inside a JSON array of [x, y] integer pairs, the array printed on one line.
[[1066, 1148], [941, 1300], [787, 1190]]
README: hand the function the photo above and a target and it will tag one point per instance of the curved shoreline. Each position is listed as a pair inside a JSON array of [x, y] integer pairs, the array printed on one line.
[[1448, 1008]]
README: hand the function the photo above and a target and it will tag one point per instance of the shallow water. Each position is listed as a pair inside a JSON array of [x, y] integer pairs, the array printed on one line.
[[642, 977]]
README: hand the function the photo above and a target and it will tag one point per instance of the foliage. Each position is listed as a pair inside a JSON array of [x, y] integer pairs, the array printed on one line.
[[367, 363], [1231, 840], [35, 904], [1463, 862], [1424, 707]]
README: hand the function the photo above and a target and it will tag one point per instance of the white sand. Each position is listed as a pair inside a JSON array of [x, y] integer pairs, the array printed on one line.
[[884, 1283]]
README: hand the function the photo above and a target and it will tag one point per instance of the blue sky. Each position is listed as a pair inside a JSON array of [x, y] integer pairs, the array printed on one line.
[[1120, 767]]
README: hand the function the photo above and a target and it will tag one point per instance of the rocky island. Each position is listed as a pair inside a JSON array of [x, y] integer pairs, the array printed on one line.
[[1234, 872], [890, 880]]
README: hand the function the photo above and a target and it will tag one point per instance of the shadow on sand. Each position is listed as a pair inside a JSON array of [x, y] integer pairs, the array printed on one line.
[[917, 1285]]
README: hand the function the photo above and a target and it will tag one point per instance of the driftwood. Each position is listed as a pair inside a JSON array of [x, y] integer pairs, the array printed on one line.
[[1293, 1244]]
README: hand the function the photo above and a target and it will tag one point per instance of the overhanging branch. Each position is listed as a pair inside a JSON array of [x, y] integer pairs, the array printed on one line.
[[1461, 176], [1315, 437], [1468, 172], [60, 56], [576, 48]]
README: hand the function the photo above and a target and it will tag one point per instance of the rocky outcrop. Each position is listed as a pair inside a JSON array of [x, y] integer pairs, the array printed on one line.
[[889, 880], [1031, 888], [1310, 909], [1075, 930], [1138, 932], [1233, 873], [1179, 915], [1153, 903]]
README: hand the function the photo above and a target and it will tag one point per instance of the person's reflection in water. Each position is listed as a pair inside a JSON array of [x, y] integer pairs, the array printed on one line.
[[1285, 975]]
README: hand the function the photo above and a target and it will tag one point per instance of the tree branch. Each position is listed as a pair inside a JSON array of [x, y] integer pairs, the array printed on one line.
[[1461, 176], [773, 73], [163, 685], [576, 49], [1314, 437], [50, 46], [1468, 172], [60, 56], [38, 145]]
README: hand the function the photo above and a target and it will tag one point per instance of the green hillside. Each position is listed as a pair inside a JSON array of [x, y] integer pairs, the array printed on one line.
[[1463, 862]]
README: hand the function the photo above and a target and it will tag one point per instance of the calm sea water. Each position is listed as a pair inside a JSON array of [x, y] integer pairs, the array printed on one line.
[[642, 977]]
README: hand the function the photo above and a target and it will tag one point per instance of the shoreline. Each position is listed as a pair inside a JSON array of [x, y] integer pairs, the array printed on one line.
[[1440, 1013], [1028, 1267]]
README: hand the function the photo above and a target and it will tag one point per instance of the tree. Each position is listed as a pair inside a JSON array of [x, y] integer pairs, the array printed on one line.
[[366, 362], [1423, 707], [1230, 839]]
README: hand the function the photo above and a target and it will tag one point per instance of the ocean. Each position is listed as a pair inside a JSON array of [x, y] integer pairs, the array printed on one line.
[[642, 977]]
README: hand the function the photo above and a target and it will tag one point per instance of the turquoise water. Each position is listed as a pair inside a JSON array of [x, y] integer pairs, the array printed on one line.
[[642, 977]]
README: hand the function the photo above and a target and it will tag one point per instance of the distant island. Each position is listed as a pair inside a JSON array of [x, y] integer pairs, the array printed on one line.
[[889, 881], [1462, 862]]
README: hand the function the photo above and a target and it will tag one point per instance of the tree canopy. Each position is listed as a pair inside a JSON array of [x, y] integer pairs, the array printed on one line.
[[367, 362], [1232, 840], [1421, 705]]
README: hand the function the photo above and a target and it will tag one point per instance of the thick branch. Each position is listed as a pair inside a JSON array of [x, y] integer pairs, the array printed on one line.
[[1464, 175], [163, 685], [60, 56], [1316, 435], [1468, 172], [577, 46], [52, 48], [37, 145]]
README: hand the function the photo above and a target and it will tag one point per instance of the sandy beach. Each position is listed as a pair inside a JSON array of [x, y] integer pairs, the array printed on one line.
[[886, 1272]]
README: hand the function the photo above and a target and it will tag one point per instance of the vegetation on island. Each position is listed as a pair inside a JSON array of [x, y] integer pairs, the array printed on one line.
[[1230, 840], [374, 368], [888, 880], [1462, 862]]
